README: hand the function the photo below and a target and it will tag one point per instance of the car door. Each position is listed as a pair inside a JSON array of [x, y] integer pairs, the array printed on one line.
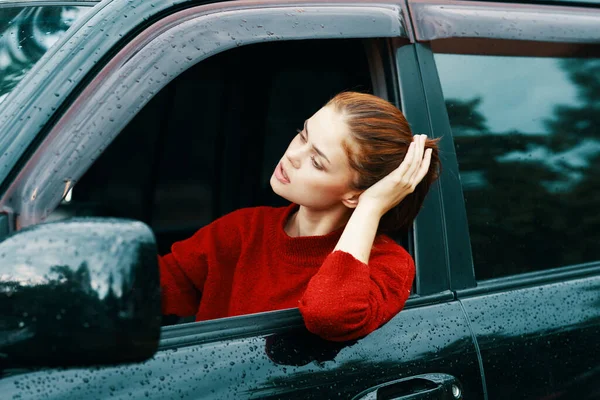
[[516, 87], [426, 351]]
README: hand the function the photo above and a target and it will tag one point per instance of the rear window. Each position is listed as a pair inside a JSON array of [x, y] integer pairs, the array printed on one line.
[[525, 122]]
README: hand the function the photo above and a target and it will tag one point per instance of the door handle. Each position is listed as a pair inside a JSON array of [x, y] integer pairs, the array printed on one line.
[[418, 387]]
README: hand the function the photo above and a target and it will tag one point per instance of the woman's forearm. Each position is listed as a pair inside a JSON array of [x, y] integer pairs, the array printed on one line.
[[345, 299], [359, 233]]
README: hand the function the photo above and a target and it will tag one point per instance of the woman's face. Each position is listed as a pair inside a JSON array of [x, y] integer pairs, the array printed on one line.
[[314, 170]]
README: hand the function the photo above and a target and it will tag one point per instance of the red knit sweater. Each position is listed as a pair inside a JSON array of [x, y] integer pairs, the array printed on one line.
[[246, 263]]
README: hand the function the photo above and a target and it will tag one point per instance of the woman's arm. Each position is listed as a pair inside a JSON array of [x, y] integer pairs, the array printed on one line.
[[373, 203], [182, 276], [347, 299], [184, 270], [351, 295]]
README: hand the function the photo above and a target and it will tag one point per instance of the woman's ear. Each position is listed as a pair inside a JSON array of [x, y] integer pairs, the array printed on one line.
[[351, 200]]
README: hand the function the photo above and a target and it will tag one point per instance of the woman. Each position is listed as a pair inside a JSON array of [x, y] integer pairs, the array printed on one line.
[[326, 252]]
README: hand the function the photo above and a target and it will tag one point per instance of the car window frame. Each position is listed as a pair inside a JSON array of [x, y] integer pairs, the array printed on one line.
[[148, 45], [444, 19], [428, 242], [462, 272]]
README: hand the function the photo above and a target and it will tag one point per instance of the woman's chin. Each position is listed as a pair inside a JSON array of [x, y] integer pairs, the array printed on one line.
[[277, 187], [274, 184]]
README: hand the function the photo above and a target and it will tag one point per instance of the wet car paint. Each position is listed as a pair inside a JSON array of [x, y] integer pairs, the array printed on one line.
[[536, 340]]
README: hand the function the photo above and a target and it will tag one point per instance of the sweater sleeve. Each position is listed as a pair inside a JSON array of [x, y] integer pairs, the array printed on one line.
[[347, 299], [184, 270]]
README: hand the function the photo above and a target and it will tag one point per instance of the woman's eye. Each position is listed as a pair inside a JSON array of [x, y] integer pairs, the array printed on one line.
[[301, 135], [316, 164]]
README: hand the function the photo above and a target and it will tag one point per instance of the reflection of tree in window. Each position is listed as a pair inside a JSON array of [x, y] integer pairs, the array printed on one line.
[[466, 119], [531, 197], [40, 309]]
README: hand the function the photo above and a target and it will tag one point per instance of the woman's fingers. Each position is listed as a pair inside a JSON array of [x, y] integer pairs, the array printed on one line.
[[413, 169], [405, 164], [424, 167], [418, 158], [416, 163], [413, 163]]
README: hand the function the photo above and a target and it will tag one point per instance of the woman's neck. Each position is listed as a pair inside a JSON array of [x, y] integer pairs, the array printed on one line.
[[310, 222]]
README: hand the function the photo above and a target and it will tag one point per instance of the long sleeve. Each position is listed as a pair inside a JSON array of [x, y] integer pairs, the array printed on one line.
[[347, 299], [183, 272]]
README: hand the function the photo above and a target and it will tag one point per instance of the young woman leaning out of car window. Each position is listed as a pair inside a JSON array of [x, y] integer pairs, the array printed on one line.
[[353, 173]]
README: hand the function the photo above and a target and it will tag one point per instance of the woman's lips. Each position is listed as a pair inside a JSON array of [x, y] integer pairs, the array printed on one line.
[[280, 174]]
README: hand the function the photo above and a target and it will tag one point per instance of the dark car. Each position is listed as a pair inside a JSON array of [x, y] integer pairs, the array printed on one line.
[[126, 125]]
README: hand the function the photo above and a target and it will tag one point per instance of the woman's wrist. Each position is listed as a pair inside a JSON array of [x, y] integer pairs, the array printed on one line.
[[370, 210], [359, 233]]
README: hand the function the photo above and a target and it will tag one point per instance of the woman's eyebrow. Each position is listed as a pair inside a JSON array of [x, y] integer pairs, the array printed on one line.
[[319, 152]]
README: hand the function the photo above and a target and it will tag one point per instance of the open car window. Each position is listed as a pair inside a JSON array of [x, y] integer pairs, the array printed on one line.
[[198, 146], [207, 143]]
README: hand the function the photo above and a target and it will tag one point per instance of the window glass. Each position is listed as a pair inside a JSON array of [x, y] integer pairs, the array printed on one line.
[[526, 125], [26, 33]]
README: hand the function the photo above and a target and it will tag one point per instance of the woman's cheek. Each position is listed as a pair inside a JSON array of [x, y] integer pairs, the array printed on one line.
[[327, 185]]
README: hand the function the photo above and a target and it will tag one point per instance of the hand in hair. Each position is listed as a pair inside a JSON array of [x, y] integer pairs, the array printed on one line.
[[393, 188], [359, 233]]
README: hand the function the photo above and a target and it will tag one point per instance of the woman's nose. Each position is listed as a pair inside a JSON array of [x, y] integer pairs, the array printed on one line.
[[296, 153], [294, 160]]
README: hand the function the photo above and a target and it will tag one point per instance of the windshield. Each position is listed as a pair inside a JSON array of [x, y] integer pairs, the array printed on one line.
[[26, 33]]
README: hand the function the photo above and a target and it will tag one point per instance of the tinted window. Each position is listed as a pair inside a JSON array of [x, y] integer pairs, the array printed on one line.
[[26, 33], [526, 123]]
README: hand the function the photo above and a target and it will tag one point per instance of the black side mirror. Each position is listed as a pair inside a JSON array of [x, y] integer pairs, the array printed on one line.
[[79, 292]]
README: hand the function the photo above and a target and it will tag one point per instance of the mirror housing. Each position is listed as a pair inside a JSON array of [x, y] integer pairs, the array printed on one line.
[[79, 292]]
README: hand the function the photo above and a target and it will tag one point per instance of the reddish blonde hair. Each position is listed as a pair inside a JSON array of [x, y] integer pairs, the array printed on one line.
[[380, 139]]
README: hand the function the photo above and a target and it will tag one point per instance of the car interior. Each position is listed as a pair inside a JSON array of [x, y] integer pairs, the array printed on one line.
[[207, 143]]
